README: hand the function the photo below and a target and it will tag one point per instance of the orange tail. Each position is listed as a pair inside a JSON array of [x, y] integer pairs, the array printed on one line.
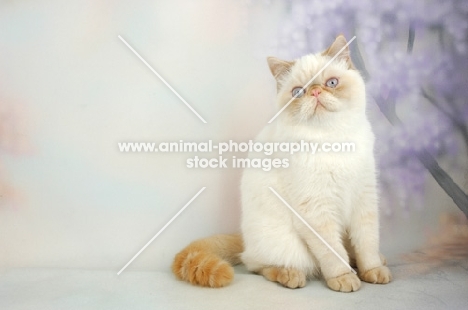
[[208, 262]]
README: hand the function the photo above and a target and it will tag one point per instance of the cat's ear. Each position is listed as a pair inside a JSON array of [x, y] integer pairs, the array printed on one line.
[[279, 67], [336, 46]]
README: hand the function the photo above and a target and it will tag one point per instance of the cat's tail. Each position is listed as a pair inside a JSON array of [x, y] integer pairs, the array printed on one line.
[[209, 261]]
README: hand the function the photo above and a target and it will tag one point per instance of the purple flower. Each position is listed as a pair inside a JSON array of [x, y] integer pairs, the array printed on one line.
[[400, 73]]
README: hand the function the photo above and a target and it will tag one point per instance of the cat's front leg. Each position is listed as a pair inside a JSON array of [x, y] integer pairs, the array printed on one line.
[[337, 275], [364, 237]]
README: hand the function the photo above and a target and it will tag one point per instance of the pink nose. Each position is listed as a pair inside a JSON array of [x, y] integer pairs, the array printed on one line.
[[316, 92]]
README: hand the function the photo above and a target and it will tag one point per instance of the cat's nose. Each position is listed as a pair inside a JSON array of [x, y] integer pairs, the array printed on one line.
[[316, 91]]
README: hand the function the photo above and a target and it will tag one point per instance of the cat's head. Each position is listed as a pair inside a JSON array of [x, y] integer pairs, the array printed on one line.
[[337, 90]]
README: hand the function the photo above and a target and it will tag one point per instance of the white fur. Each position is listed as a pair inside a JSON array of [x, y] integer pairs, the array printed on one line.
[[335, 192]]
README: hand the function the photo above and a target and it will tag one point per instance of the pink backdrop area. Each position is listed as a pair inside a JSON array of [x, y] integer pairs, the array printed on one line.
[[70, 90]]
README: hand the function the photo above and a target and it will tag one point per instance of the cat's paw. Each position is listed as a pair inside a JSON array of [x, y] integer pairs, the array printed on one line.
[[348, 282], [288, 277], [291, 278], [379, 275]]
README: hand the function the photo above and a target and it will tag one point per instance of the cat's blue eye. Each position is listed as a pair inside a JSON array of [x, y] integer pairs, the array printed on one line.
[[298, 92], [332, 83]]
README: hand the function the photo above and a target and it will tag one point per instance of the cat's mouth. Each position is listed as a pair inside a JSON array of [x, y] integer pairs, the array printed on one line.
[[319, 105], [315, 108]]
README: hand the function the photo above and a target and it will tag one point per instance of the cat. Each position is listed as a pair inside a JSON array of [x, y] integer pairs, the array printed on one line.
[[336, 193]]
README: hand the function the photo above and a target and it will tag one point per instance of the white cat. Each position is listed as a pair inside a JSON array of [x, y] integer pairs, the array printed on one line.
[[334, 192]]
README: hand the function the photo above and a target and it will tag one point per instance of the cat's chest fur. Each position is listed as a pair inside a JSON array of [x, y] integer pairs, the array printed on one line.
[[326, 178]]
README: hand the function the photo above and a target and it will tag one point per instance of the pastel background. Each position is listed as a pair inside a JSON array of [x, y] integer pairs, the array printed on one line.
[[70, 90]]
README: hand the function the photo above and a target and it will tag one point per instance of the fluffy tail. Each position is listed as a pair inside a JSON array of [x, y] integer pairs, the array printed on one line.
[[209, 261]]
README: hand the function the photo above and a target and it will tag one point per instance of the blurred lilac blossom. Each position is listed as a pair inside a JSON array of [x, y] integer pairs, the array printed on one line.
[[413, 55]]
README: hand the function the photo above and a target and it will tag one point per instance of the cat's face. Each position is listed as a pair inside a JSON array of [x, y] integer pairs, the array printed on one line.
[[338, 89]]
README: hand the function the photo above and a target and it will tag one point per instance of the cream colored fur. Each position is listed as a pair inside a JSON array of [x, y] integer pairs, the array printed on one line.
[[335, 192]]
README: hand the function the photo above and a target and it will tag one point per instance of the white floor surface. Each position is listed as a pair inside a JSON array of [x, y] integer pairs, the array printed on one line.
[[415, 286]]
